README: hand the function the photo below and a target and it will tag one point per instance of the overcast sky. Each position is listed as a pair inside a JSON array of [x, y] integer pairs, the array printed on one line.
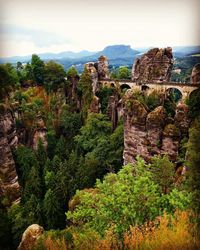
[[39, 26]]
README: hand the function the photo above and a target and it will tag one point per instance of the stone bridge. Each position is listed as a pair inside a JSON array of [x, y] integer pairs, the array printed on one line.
[[185, 89]]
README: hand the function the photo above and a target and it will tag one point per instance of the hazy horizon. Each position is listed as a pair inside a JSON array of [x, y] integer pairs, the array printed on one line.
[[29, 27]]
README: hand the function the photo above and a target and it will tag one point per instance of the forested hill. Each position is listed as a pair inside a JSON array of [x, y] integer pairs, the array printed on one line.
[[64, 141], [119, 55]]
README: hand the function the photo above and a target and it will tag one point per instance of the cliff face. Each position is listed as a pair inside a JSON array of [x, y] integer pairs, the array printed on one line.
[[98, 70], [39, 133], [30, 237], [154, 66], [9, 185], [151, 133], [94, 75], [195, 76], [103, 71]]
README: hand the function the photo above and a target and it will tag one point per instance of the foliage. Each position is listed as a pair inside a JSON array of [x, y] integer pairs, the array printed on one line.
[[54, 76], [166, 232], [120, 200], [85, 91], [170, 106], [130, 197], [5, 228], [97, 126], [52, 209], [25, 159], [104, 94], [8, 79], [162, 172], [122, 72], [70, 124], [37, 69], [150, 101], [193, 104], [193, 156], [72, 72], [18, 221]]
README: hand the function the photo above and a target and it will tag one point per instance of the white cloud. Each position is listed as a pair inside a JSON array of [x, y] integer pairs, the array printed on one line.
[[55, 26]]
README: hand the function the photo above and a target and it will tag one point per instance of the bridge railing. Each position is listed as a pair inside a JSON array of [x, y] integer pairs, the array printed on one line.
[[149, 83]]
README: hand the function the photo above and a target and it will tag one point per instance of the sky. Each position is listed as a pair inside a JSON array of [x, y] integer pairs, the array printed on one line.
[[40, 26]]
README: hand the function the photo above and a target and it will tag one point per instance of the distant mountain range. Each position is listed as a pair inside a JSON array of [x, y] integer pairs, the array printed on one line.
[[117, 54]]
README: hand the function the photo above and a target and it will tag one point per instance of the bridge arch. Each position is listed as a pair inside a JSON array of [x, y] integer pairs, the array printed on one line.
[[125, 87], [145, 87], [194, 93], [175, 93]]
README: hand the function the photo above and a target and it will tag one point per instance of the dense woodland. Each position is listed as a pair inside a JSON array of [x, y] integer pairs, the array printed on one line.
[[77, 187]]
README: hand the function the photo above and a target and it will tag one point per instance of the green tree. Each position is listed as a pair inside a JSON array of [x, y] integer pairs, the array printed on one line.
[[85, 91], [162, 172], [124, 73], [193, 104], [18, 222], [8, 79], [70, 124], [28, 72], [97, 127], [72, 72], [6, 241], [54, 76], [37, 67], [52, 210], [121, 200], [25, 159], [130, 197], [104, 94], [193, 158]]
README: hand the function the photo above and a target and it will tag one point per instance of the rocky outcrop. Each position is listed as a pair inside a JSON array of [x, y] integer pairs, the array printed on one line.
[[94, 75], [39, 133], [113, 110], [154, 126], [103, 71], [181, 119], [9, 185], [30, 237], [71, 93], [148, 133], [95, 105], [170, 141], [98, 70], [135, 135], [154, 66], [195, 76]]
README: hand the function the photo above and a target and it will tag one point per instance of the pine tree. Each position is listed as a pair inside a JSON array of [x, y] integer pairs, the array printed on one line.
[[85, 91], [52, 210], [193, 156]]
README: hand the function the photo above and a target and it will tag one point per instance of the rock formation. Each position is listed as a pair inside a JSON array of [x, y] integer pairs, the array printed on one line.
[[39, 133], [95, 105], [195, 76], [30, 237], [154, 66], [170, 141], [113, 110], [94, 75], [154, 126], [135, 135], [71, 93], [9, 185], [181, 119], [98, 70], [148, 133], [103, 71]]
